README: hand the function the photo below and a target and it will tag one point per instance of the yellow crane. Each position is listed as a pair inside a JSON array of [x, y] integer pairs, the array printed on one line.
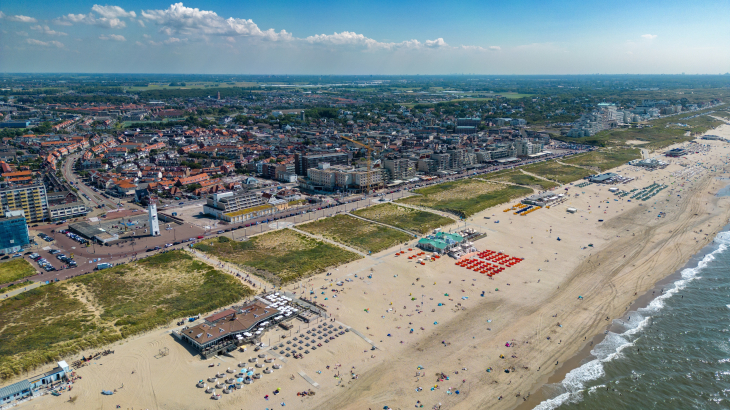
[[370, 154]]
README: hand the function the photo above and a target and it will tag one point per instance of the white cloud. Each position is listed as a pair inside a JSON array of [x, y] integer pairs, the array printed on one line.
[[22, 19], [22, 33], [439, 42], [348, 38], [102, 16], [47, 30], [113, 37], [146, 36], [649, 36], [186, 20], [141, 23], [172, 40], [112, 12], [44, 43], [2, 15], [495, 48]]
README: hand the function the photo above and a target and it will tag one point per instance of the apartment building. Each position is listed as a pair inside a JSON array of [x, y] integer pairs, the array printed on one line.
[[31, 199]]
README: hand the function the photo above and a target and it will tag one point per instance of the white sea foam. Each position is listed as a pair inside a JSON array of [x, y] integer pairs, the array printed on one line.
[[612, 345]]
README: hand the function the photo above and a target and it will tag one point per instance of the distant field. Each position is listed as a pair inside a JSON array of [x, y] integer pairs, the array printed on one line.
[[465, 197], [515, 176], [15, 269], [605, 160], [504, 95], [557, 172], [192, 85], [404, 218], [366, 236], [46, 323], [281, 256]]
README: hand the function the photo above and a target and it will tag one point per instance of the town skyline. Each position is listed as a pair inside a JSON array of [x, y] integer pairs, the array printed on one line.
[[378, 38]]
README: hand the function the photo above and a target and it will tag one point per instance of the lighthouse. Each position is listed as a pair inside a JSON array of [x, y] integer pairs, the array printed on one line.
[[154, 224]]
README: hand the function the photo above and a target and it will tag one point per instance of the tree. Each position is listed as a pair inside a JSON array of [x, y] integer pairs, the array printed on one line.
[[192, 187]]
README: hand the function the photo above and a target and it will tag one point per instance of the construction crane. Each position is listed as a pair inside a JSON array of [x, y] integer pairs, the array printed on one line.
[[370, 154]]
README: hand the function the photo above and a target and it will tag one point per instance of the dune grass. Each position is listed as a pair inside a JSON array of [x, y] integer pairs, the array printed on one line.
[[49, 322], [281, 256]]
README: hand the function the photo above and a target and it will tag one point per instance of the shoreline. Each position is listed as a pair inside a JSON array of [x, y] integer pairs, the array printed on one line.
[[421, 320], [584, 355]]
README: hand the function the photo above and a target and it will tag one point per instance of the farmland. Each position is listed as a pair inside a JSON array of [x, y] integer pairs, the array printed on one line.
[[404, 218], [363, 235], [49, 322], [282, 256], [465, 197], [555, 171]]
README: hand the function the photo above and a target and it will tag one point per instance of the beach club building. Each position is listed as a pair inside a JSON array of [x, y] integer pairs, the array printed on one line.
[[440, 242], [225, 330]]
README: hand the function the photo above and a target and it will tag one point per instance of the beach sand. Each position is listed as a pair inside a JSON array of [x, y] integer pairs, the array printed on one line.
[[631, 250]]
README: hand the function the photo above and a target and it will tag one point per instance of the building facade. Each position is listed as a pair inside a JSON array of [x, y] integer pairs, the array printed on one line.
[[13, 232], [31, 199]]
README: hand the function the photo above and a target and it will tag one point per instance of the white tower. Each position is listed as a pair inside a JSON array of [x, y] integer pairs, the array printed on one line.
[[154, 225]]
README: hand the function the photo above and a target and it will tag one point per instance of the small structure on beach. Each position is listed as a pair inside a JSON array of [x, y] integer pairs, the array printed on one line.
[[441, 242]]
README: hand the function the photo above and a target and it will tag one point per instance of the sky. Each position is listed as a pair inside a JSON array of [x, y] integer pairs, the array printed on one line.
[[366, 37]]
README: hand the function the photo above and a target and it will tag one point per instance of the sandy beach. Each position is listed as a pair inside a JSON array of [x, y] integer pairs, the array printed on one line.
[[440, 318]]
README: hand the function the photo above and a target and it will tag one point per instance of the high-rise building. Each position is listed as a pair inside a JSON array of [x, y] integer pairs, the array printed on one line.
[[304, 162], [31, 199], [13, 232]]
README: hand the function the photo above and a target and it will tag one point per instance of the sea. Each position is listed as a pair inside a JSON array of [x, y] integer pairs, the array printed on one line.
[[673, 353]]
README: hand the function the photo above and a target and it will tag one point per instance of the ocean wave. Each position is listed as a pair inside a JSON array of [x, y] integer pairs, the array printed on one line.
[[573, 385]]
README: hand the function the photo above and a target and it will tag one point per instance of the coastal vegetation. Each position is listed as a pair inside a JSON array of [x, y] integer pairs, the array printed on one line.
[[49, 322], [604, 160], [517, 177], [465, 197], [15, 269], [281, 256], [405, 218], [558, 172], [362, 235]]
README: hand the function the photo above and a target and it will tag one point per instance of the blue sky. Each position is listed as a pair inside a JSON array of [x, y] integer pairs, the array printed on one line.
[[366, 37]]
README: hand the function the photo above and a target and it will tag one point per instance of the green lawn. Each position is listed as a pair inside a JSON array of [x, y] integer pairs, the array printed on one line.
[[46, 323], [515, 176], [465, 197], [363, 235], [281, 256], [558, 172], [605, 159], [404, 218], [15, 269]]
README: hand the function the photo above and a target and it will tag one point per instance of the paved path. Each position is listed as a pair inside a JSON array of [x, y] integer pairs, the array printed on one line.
[[308, 379], [409, 233], [321, 238], [18, 291], [433, 211], [592, 169]]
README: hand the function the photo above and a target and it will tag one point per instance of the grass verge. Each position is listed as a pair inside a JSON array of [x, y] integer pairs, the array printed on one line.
[[552, 170], [281, 256], [15, 269], [465, 197], [363, 235], [605, 159], [404, 218]]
